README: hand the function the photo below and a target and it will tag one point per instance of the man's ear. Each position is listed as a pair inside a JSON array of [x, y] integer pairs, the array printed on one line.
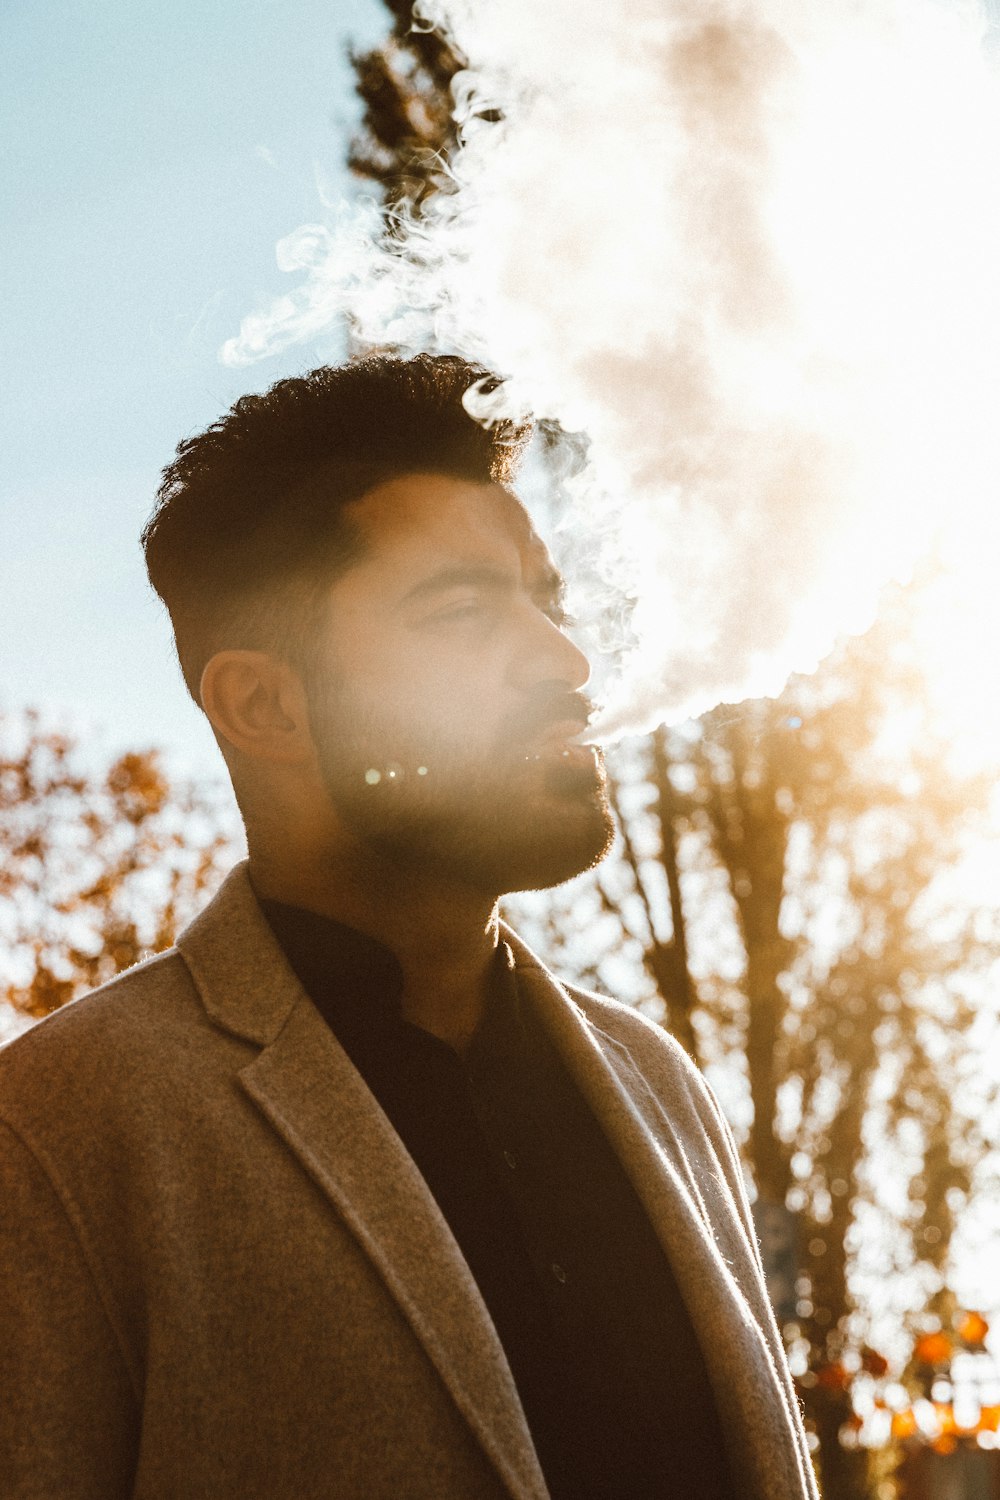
[[256, 702]]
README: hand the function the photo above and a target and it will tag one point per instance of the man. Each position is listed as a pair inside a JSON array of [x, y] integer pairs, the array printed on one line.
[[346, 1196]]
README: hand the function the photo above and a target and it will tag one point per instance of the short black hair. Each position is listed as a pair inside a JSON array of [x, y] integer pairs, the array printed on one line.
[[249, 527]]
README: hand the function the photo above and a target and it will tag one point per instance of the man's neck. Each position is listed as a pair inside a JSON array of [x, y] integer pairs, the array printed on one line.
[[444, 937]]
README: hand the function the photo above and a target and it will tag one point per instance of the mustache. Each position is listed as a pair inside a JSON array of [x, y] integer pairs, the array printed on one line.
[[544, 708]]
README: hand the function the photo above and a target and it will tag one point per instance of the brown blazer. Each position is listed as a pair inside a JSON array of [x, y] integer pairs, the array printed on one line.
[[223, 1277]]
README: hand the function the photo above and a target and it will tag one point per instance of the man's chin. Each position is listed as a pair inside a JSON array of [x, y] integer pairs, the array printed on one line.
[[558, 847], [536, 823], [578, 778]]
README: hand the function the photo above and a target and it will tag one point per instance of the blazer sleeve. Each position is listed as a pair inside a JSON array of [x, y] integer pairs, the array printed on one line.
[[68, 1414]]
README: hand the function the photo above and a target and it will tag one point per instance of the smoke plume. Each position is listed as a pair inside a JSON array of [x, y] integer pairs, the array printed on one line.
[[750, 250]]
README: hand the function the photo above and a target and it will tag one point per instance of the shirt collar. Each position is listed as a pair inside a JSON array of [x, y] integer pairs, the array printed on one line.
[[357, 982], [330, 959]]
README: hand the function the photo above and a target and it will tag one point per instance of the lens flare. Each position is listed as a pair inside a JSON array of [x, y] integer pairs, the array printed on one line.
[[751, 251]]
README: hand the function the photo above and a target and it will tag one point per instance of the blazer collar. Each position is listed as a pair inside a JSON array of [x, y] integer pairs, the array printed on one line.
[[245, 983], [692, 1213], [305, 1085]]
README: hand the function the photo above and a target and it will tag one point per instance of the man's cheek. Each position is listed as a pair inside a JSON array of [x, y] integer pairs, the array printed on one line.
[[444, 707]]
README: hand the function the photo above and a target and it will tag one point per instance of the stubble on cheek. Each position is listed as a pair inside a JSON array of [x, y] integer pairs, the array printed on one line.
[[438, 787]]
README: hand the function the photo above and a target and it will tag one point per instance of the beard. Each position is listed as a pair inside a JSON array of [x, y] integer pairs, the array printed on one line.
[[504, 819]]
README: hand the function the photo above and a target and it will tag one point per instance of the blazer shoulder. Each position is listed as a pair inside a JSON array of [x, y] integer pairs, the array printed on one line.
[[631, 1029], [673, 1076], [658, 1056], [114, 1027]]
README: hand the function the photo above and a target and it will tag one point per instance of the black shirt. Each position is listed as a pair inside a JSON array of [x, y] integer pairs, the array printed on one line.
[[610, 1374]]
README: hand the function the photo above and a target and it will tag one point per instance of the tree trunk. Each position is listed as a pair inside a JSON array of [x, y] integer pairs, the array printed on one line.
[[673, 961], [843, 1472]]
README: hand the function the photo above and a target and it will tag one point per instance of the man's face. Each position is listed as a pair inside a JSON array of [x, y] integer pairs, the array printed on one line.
[[445, 694]]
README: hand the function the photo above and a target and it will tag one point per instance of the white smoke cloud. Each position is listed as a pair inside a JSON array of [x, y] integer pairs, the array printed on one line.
[[750, 249]]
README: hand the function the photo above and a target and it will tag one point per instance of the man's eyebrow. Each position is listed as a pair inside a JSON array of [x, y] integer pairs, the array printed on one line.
[[480, 576], [548, 590]]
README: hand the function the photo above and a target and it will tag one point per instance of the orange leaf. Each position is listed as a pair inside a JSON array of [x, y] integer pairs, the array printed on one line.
[[874, 1363], [904, 1424], [989, 1419], [945, 1414], [972, 1328], [833, 1377], [933, 1349]]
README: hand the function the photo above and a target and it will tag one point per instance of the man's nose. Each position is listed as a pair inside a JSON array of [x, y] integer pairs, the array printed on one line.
[[550, 655]]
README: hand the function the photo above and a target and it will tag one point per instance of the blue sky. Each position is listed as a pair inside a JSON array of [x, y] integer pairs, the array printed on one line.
[[152, 158]]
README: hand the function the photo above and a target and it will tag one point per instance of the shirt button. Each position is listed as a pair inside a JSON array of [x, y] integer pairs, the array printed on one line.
[[559, 1273], [510, 1159]]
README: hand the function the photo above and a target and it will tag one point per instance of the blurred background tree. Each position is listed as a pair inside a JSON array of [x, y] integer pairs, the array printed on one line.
[[790, 896], [407, 130], [788, 883], [98, 867]]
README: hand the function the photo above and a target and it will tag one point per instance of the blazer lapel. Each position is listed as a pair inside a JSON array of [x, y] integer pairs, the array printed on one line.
[[306, 1086], [693, 1217]]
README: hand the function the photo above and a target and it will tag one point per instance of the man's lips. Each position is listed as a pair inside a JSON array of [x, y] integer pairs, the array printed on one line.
[[563, 732], [554, 725], [563, 740]]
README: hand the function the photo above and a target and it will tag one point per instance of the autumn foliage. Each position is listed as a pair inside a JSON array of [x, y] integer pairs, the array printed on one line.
[[99, 865]]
